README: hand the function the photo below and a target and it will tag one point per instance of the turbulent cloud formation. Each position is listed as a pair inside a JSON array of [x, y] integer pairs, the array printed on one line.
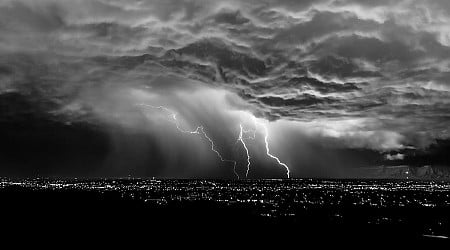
[[363, 82]]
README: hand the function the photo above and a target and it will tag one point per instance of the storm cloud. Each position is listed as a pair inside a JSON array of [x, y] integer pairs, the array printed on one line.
[[365, 82]]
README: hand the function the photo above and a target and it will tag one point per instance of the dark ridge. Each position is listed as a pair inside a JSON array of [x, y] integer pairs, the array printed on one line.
[[341, 67], [323, 87], [436, 154], [305, 100]]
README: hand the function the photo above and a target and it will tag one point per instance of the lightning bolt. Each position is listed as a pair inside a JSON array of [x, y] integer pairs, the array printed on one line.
[[198, 131], [243, 135], [266, 141], [217, 152], [241, 139]]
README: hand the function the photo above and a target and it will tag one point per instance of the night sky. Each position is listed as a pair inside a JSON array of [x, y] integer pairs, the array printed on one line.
[[188, 88]]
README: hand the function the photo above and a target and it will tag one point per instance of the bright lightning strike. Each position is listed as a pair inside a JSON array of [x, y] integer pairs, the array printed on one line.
[[266, 136], [217, 152], [241, 139], [266, 141], [201, 131], [198, 131]]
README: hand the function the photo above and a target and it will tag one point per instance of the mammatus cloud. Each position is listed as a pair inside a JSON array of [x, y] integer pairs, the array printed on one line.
[[336, 74]]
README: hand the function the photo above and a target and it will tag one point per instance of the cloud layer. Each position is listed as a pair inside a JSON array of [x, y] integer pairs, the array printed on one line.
[[363, 75]]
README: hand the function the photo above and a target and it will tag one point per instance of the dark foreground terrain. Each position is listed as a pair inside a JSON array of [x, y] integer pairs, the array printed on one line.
[[289, 209]]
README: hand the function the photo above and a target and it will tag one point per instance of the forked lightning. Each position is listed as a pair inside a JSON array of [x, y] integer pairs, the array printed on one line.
[[241, 138], [198, 131]]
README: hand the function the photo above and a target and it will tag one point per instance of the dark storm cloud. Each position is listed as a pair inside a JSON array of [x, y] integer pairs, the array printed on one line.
[[339, 67], [368, 75], [321, 24], [293, 4], [230, 17], [368, 3]]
